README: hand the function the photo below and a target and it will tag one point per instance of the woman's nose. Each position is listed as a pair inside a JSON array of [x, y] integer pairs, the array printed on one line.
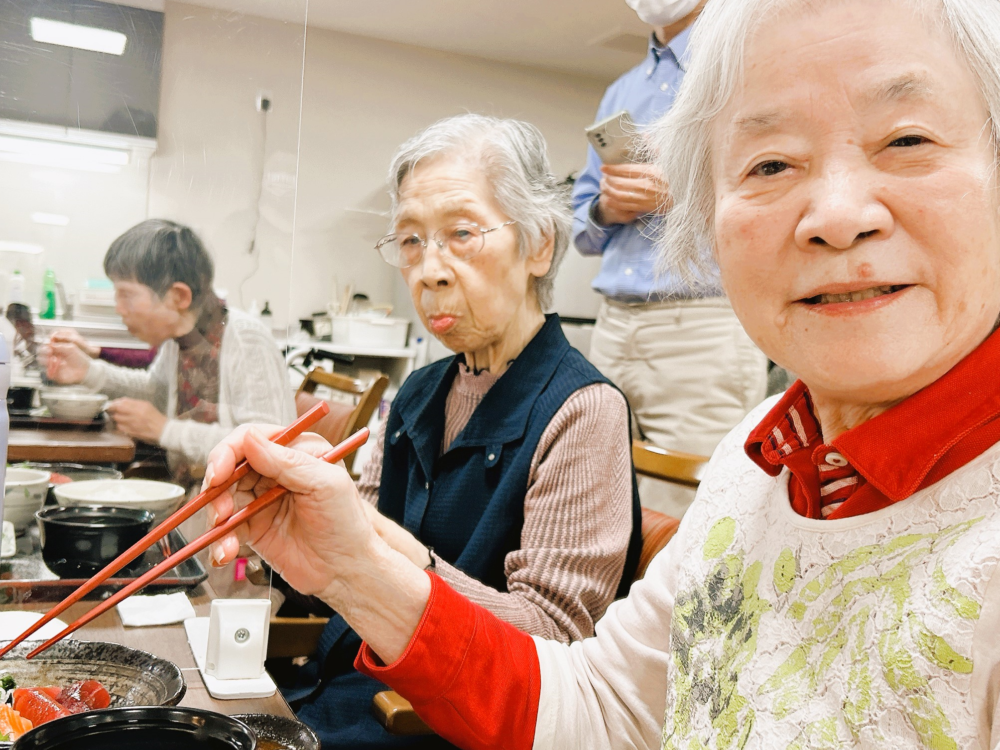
[[843, 210], [434, 269]]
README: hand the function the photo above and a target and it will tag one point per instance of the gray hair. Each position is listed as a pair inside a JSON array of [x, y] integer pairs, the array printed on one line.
[[160, 253], [681, 140], [515, 159]]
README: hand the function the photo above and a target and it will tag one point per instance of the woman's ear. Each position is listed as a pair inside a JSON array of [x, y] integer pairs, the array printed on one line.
[[540, 261], [179, 296]]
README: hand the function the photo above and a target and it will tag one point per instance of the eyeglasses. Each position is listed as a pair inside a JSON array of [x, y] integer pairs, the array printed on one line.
[[461, 241]]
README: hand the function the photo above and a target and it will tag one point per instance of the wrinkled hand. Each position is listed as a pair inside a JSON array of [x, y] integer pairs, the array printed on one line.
[[310, 536], [70, 336], [629, 191], [319, 537], [65, 363], [138, 419]]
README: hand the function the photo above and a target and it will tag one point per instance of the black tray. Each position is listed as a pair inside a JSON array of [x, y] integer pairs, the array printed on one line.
[[25, 420], [24, 577]]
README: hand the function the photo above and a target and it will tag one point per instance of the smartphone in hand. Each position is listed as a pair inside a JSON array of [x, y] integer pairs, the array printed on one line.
[[614, 138]]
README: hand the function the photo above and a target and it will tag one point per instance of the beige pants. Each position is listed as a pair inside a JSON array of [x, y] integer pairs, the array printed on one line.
[[690, 374]]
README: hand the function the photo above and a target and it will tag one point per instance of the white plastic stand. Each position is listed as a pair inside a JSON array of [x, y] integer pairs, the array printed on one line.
[[229, 648]]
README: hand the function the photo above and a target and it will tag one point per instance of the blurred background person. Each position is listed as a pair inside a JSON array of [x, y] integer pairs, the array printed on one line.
[[215, 368], [678, 352]]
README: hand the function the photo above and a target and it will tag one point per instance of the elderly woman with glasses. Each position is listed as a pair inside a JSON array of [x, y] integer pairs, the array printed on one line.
[[836, 583], [483, 471]]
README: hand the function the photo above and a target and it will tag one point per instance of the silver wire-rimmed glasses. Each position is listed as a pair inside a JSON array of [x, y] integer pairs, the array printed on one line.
[[461, 241]]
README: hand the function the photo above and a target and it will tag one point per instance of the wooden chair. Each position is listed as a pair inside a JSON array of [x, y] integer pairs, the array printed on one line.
[[396, 714], [291, 637], [344, 419], [684, 469]]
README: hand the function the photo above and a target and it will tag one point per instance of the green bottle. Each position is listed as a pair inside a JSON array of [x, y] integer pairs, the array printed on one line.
[[48, 311]]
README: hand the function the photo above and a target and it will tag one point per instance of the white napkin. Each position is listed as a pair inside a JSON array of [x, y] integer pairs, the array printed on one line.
[[162, 609]]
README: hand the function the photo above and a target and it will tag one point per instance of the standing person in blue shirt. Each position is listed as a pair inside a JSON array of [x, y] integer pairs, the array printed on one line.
[[679, 354]]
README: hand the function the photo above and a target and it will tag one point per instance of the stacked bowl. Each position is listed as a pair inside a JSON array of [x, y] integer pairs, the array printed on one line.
[[24, 493], [159, 498]]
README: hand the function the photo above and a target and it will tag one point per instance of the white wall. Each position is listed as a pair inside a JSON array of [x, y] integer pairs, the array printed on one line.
[[319, 219], [207, 168], [363, 98], [98, 207]]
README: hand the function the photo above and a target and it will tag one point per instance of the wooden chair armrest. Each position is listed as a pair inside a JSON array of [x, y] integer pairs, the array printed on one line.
[[396, 714], [685, 469]]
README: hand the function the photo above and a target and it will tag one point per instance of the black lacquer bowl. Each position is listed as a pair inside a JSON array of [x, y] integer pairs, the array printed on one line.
[[146, 728], [280, 733], [20, 398], [77, 542]]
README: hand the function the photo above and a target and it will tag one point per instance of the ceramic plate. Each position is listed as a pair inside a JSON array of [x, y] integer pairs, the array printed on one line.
[[279, 733], [132, 677]]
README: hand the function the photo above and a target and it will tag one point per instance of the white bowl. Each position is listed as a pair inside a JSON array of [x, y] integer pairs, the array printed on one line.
[[24, 493], [73, 404], [160, 498]]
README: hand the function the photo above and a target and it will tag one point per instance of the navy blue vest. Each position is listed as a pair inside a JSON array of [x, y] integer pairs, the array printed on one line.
[[467, 504]]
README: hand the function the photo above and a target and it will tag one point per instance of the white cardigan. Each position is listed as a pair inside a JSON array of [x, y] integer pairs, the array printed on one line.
[[758, 628], [254, 387]]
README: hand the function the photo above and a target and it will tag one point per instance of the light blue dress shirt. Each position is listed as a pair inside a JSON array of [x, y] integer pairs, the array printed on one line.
[[629, 264]]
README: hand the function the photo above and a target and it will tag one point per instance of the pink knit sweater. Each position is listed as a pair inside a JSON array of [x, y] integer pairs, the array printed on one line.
[[577, 512]]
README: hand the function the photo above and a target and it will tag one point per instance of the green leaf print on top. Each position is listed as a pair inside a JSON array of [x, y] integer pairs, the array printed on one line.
[[860, 630], [713, 636]]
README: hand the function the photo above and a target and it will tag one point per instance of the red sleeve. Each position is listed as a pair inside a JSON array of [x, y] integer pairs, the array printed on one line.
[[473, 678]]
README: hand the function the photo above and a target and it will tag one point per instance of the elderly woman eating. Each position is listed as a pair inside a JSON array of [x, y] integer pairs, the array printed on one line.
[[483, 470], [215, 369], [835, 583]]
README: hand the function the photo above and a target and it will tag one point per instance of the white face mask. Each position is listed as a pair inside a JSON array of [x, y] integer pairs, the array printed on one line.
[[661, 13]]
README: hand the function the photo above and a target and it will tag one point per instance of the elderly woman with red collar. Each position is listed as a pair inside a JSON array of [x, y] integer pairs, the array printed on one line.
[[835, 583]]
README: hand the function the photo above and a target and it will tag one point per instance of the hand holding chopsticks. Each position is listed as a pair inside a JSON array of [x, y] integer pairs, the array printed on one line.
[[284, 437], [265, 500]]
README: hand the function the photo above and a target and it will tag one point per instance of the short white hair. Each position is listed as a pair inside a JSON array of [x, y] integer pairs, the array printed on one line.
[[681, 140], [515, 159]]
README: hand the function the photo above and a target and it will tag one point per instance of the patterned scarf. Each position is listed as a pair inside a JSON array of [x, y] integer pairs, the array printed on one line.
[[198, 372]]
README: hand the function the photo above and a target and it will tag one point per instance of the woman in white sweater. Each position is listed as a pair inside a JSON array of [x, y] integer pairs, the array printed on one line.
[[835, 583], [215, 368]]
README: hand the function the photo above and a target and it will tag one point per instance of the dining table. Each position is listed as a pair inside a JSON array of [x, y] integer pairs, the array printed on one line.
[[105, 446], [169, 642]]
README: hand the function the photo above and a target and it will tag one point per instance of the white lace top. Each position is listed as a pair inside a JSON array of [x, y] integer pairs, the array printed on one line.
[[758, 628]]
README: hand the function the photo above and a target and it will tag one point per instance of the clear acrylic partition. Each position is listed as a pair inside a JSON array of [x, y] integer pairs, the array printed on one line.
[[267, 127], [113, 113]]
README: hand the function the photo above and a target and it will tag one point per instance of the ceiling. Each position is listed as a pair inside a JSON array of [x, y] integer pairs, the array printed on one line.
[[596, 38]]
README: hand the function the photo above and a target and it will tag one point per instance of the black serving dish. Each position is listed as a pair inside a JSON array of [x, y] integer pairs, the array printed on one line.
[[279, 732], [24, 578], [39, 419], [79, 541], [149, 728]]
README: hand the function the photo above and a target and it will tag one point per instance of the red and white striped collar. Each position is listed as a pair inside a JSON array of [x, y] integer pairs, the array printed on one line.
[[899, 448]]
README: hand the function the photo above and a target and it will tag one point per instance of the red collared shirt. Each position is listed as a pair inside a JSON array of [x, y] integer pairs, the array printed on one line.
[[906, 448]]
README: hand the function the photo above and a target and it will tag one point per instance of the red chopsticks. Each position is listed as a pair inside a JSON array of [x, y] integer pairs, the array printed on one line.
[[284, 437], [350, 445]]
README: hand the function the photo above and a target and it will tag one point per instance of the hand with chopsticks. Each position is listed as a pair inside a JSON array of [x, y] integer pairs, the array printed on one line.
[[319, 537]]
